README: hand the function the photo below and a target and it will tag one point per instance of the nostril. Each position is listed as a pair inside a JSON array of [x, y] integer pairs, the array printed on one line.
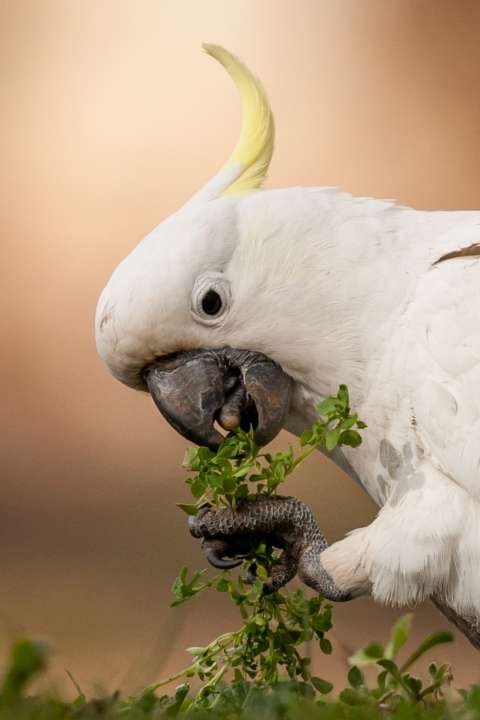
[[231, 382]]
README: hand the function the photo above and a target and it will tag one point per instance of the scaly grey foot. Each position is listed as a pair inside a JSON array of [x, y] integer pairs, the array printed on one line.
[[286, 523]]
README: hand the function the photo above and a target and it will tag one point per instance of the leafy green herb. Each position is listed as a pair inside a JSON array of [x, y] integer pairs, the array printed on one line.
[[239, 470], [266, 649]]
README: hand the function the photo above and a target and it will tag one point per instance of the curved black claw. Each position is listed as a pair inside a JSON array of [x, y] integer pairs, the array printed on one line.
[[251, 576], [285, 523], [216, 552]]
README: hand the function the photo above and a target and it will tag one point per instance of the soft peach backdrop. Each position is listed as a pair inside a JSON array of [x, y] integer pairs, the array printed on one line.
[[110, 118]]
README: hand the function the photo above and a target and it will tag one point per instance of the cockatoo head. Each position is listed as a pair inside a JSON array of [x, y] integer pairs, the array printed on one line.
[[178, 320]]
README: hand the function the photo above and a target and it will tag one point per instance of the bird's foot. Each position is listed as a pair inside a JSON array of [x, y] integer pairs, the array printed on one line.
[[229, 536]]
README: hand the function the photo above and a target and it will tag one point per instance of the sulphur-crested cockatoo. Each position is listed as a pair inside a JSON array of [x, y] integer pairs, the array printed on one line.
[[249, 306]]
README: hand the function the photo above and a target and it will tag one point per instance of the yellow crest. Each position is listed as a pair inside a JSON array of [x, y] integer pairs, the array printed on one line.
[[254, 149]]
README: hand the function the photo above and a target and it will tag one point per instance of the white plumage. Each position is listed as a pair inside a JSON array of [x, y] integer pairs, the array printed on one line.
[[338, 289]]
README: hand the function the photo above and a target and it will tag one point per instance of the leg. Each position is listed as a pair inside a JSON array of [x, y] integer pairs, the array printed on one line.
[[343, 563], [469, 626]]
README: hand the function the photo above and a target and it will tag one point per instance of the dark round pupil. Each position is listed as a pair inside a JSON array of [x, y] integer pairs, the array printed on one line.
[[211, 302]]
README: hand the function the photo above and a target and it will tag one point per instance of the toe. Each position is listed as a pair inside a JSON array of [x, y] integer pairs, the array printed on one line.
[[194, 526], [196, 523], [282, 571]]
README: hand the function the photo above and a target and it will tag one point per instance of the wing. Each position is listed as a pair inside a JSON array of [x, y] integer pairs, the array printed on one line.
[[444, 368]]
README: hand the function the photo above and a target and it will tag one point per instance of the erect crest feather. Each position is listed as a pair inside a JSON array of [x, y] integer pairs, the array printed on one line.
[[247, 167]]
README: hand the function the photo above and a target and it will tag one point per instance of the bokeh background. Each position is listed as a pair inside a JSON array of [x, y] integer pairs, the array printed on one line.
[[111, 117]]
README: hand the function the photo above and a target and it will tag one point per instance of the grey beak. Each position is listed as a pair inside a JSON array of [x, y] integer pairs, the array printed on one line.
[[195, 389]]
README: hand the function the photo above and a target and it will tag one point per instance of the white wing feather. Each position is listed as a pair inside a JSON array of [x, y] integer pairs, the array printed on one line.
[[446, 382]]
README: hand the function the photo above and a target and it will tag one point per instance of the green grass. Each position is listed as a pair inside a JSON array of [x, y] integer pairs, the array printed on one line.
[[393, 693]]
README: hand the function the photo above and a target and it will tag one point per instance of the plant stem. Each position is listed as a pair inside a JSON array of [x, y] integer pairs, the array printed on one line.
[[220, 643], [305, 454]]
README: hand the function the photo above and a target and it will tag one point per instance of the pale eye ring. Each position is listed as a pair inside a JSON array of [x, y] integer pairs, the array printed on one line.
[[210, 298]]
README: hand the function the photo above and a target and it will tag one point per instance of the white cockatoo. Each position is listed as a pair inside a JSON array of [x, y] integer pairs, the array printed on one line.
[[251, 306]]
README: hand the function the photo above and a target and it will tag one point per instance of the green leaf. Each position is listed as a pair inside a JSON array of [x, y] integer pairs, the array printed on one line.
[[436, 638], [414, 684], [348, 423], [204, 454], [355, 677], [390, 666], [198, 487], [242, 492], [305, 438], [241, 472], [331, 438], [189, 509], [182, 590], [27, 659], [399, 636], [323, 686], [381, 681], [190, 457], [401, 680], [223, 585], [325, 646], [351, 438], [262, 572], [229, 484], [175, 704], [367, 655], [327, 406], [228, 449], [342, 396]]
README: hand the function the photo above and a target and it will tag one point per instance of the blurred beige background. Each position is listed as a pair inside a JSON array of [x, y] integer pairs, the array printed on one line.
[[111, 117]]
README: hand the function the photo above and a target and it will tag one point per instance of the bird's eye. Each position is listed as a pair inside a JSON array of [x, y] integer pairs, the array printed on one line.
[[211, 302], [210, 298]]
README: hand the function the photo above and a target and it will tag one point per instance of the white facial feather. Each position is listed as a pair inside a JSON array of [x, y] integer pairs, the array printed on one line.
[[145, 309]]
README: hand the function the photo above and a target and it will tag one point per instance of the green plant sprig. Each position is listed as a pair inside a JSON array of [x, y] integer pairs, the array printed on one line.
[[266, 650], [394, 683], [239, 471]]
